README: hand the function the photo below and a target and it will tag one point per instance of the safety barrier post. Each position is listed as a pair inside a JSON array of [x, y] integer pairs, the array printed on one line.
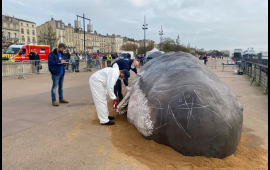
[[22, 71]]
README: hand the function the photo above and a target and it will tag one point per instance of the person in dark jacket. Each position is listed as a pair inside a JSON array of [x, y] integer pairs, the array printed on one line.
[[31, 54], [67, 59], [124, 65], [36, 57], [56, 66], [77, 59], [104, 58]]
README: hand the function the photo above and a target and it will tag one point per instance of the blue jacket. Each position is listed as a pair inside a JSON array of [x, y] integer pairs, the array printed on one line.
[[53, 61], [125, 64]]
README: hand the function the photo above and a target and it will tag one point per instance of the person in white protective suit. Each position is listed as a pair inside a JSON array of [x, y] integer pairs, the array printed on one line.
[[102, 83]]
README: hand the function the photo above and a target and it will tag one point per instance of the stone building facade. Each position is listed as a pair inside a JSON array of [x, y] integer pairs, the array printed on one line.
[[19, 30]]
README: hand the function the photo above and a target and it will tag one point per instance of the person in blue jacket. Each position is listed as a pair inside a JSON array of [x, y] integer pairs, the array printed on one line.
[[124, 65], [56, 65]]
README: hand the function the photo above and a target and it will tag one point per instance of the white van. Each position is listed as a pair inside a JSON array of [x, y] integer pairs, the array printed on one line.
[[125, 52]]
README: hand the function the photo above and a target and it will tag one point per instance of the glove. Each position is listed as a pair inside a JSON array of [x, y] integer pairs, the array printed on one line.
[[114, 104]]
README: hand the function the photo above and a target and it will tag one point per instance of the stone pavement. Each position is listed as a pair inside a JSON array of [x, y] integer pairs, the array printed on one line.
[[36, 135]]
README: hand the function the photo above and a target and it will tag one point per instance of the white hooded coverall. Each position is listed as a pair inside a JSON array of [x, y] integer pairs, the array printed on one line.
[[102, 82]]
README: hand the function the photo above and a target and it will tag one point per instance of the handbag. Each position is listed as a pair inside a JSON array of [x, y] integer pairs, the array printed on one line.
[[40, 67]]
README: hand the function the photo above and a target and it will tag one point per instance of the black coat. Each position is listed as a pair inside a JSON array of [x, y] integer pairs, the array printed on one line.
[[67, 56], [36, 57], [31, 55]]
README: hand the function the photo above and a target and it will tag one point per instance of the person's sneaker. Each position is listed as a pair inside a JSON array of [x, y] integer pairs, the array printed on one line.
[[54, 103], [110, 118], [108, 123], [63, 101]]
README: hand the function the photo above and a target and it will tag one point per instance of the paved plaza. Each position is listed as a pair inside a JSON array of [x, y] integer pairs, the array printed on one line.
[[36, 135]]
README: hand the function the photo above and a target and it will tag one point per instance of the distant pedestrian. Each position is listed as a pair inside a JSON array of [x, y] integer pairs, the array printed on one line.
[[205, 58], [89, 62], [73, 62], [31, 55], [104, 58], [100, 58], [36, 57], [67, 59], [109, 60], [77, 59]]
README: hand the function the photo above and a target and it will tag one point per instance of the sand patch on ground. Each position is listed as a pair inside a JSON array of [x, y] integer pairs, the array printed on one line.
[[129, 141]]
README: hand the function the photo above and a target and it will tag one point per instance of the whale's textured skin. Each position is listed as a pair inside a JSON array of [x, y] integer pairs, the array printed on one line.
[[178, 102]]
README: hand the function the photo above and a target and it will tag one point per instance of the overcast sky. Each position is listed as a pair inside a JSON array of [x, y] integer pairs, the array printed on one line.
[[208, 24]]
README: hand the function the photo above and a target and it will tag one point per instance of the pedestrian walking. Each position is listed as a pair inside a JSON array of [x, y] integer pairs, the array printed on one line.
[[57, 69], [102, 82]]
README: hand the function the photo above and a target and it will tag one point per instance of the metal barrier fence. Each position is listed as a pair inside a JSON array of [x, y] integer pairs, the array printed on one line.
[[214, 62], [258, 73], [28, 67]]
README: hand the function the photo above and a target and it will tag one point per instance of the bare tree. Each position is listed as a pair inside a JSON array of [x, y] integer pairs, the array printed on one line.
[[48, 37], [151, 45], [6, 42], [129, 47]]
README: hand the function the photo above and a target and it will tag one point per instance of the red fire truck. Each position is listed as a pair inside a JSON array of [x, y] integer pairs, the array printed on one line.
[[20, 52]]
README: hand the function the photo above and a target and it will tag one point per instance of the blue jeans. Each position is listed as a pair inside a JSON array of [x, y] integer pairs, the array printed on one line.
[[58, 80]]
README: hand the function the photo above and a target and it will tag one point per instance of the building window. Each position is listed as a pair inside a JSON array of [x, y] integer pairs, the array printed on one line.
[[2, 34], [15, 35], [28, 31], [42, 51], [21, 24], [8, 36], [34, 40], [32, 26], [33, 32], [8, 25], [14, 26], [23, 38], [27, 25]]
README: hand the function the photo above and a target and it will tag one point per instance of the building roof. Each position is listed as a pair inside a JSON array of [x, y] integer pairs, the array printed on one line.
[[19, 19]]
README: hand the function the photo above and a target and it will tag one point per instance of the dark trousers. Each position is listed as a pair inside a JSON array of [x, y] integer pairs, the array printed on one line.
[[73, 66], [36, 66], [67, 66], [109, 63], [77, 66], [118, 90], [205, 62]]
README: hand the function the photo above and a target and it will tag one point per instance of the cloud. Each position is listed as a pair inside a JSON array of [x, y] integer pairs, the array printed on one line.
[[208, 24]]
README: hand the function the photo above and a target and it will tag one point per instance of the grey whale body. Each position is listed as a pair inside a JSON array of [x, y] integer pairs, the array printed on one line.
[[178, 102]]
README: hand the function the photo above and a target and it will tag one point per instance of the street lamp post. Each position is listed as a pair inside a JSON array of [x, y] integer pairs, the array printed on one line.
[[160, 33], [177, 42], [144, 28], [84, 18]]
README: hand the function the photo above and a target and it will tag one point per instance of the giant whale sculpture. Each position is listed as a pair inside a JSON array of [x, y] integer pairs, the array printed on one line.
[[178, 102]]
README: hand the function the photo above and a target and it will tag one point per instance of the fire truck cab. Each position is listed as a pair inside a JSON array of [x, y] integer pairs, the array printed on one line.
[[20, 52]]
